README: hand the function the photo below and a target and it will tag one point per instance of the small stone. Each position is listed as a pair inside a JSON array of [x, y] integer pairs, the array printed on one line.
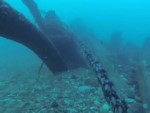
[[145, 106], [105, 108], [130, 93], [97, 103], [91, 82], [71, 110], [130, 100], [74, 77], [136, 108], [85, 88], [55, 104]]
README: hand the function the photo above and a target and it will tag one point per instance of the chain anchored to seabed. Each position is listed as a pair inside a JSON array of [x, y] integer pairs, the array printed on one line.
[[118, 105]]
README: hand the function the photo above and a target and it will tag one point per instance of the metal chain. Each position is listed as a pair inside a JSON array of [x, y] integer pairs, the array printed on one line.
[[118, 105]]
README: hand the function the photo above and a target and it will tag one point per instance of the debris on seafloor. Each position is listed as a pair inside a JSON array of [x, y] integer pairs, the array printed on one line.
[[62, 94]]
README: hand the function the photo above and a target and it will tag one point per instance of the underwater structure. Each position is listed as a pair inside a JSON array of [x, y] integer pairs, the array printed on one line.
[[57, 38], [59, 34], [58, 55], [15, 26]]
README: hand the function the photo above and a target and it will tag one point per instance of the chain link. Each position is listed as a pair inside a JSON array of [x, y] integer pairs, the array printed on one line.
[[118, 105]]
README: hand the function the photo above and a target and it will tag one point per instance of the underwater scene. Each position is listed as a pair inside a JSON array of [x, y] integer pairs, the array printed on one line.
[[74, 56]]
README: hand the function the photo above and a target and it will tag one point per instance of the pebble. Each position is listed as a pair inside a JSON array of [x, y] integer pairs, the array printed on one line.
[[105, 108], [130, 100], [55, 104]]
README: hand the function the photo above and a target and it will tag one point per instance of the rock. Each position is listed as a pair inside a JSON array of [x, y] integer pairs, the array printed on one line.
[[55, 104], [130, 93], [74, 77], [71, 110], [145, 106], [85, 88], [105, 108], [136, 108], [130, 100], [97, 103], [91, 82]]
